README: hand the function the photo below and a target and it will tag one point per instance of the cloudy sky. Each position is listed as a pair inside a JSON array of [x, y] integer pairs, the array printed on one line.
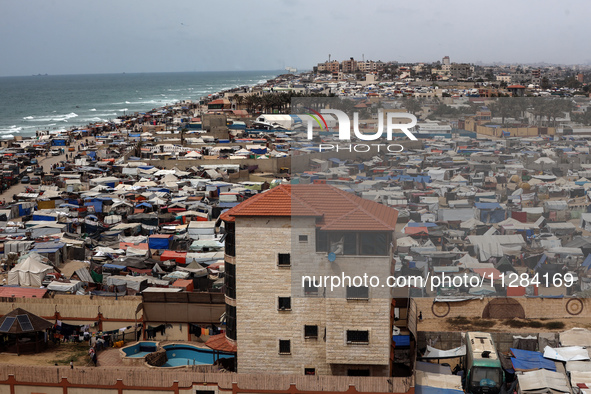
[[114, 36]]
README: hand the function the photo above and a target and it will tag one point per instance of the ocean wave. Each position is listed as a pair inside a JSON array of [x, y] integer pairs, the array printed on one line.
[[95, 119], [123, 109], [7, 136], [11, 129], [138, 102], [92, 109], [55, 118]]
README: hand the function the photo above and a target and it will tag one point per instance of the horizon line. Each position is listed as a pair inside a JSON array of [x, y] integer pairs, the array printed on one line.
[[137, 72]]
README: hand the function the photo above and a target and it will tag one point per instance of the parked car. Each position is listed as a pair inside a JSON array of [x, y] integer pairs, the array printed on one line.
[[35, 180], [29, 169], [25, 179], [38, 171], [55, 152]]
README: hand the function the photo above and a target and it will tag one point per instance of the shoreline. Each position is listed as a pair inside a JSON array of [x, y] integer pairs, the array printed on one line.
[[10, 135]]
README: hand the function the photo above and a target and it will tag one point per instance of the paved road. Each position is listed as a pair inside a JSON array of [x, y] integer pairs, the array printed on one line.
[[46, 163]]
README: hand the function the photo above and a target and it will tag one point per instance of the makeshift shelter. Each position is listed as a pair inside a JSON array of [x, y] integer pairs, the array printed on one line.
[[525, 360], [25, 332], [543, 381], [29, 272]]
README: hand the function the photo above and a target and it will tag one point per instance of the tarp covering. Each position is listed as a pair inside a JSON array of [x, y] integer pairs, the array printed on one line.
[[576, 336], [442, 383], [71, 287], [570, 353], [542, 380], [525, 360], [137, 283], [433, 353]]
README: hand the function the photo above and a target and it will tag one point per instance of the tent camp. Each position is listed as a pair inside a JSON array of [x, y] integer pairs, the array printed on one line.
[[29, 272]]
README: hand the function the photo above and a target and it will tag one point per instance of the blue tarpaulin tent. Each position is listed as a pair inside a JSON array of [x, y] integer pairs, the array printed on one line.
[[587, 263], [525, 360], [159, 242], [401, 340], [44, 218], [22, 211], [114, 266], [96, 204], [417, 224], [490, 212]]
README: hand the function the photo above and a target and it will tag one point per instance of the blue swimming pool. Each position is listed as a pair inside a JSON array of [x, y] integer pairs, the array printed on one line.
[[140, 349], [180, 354]]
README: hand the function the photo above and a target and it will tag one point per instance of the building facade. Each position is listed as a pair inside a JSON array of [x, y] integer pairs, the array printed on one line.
[[281, 324]]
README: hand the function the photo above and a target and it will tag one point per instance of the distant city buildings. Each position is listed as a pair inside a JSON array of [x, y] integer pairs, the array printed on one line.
[[499, 75]]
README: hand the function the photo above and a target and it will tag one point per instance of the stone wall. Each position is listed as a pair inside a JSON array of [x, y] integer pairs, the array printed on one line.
[[260, 325]]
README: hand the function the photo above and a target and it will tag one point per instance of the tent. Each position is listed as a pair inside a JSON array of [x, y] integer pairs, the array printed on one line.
[[526, 360], [29, 272]]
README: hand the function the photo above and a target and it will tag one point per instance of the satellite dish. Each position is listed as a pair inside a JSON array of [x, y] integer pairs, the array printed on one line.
[[332, 257]]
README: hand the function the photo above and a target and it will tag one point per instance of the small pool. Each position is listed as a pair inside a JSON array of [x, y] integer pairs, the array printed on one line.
[[180, 354], [140, 349]]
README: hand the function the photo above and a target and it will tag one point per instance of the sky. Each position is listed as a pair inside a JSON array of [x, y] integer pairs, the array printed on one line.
[[115, 36]]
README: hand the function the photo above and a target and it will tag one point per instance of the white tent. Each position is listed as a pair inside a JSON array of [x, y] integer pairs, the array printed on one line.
[[30, 272]]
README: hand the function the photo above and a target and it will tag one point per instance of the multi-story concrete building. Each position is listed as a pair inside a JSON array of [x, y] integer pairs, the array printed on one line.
[[331, 67], [460, 70], [282, 324], [349, 66]]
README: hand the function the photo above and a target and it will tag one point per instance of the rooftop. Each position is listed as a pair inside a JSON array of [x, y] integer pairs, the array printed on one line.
[[334, 208]]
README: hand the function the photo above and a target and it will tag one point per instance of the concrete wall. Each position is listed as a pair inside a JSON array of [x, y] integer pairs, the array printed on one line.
[[78, 310], [178, 332], [534, 308]]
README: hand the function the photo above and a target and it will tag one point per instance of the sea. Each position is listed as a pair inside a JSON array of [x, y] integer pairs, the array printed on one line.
[[60, 102]]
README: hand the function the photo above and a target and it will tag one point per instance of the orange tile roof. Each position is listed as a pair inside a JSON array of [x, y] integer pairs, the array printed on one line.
[[22, 292], [335, 209], [221, 343]]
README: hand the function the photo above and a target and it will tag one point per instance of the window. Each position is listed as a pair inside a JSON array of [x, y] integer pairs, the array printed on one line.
[[310, 331], [358, 372], [230, 280], [230, 239], [342, 243], [284, 260], [353, 243], [358, 337], [284, 303], [309, 371], [310, 289], [303, 238], [373, 244], [284, 346], [321, 241], [357, 293]]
